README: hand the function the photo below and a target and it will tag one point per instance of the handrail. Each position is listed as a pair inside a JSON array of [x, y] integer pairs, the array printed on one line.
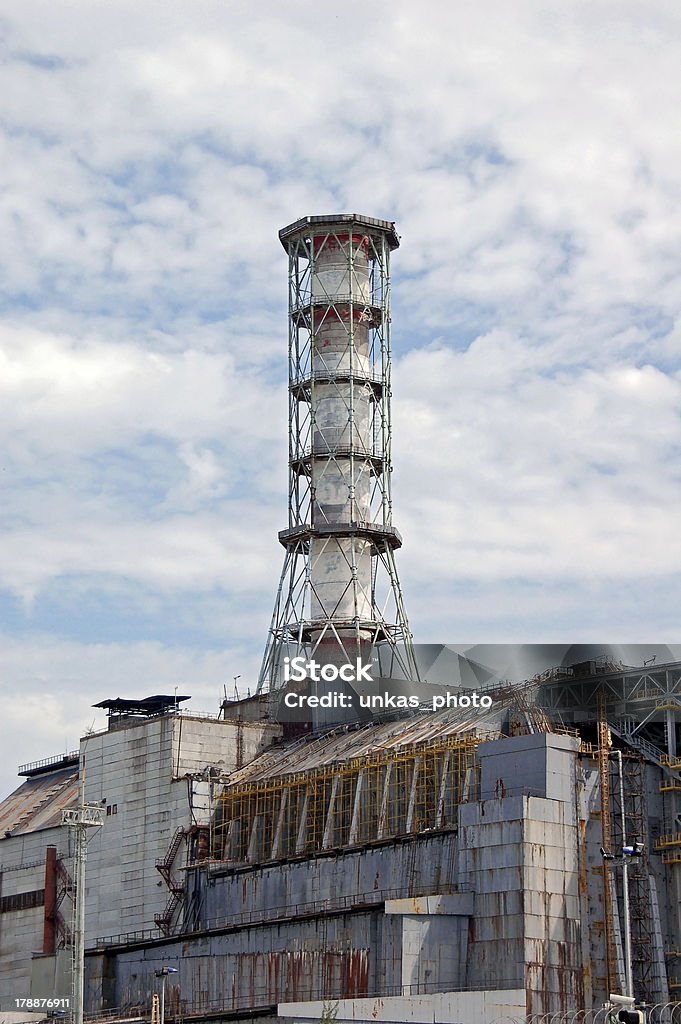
[[71, 756], [273, 914]]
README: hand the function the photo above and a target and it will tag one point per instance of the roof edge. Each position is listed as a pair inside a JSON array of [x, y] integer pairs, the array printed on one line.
[[50, 764], [386, 227]]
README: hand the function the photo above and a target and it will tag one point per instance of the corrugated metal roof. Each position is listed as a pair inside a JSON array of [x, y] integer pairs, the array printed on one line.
[[38, 803], [344, 745]]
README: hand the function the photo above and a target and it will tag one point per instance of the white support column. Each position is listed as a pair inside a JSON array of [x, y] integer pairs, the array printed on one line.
[[302, 824], [331, 814], [232, 840], [356, 808], [281, 818], [443, 790], [383, 814], [412, 793], [252, 854]]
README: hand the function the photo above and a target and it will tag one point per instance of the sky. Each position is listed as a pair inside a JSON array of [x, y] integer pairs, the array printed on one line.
[[529, 155]]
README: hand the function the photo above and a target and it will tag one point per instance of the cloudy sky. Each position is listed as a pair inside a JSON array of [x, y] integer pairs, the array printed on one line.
[[529, 154]]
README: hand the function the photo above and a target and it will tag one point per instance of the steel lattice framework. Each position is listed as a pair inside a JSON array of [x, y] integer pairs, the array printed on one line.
[[339, 593]]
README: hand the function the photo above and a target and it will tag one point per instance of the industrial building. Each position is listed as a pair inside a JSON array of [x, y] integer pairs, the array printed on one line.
[[512, 859]]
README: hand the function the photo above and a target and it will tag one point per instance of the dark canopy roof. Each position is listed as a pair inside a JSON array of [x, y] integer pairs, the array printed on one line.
[[155, 705]]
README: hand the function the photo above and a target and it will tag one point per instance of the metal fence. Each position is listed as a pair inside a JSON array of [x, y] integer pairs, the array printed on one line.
[[659, 1013]]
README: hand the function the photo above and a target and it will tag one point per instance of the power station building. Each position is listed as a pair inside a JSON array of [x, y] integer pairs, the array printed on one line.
[[511, 858]]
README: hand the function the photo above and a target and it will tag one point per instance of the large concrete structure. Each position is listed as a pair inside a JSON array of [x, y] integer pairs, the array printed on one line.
[[444, 863], [151, 775]]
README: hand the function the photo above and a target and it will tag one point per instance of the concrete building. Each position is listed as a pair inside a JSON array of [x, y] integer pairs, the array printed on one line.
[[438, 864], [151, 772], [35, 891]]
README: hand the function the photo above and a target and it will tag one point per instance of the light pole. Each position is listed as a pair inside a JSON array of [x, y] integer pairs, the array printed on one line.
[[80, 819], [625, 888], [627, 851], [163, 973]]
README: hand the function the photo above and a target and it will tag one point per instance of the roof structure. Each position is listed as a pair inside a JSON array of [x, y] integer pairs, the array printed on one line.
[[345, 744], [38, 803], [159, 704], [340, 221]]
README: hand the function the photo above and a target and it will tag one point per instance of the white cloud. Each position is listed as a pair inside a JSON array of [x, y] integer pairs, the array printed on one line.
[[86, 424], [536, 475], [83, 395]]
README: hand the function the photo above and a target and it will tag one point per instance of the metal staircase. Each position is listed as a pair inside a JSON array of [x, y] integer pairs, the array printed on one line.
[[176, 892], [623, 728], [65, 888]]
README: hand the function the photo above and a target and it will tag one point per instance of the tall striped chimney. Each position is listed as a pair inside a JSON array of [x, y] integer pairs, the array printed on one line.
[[339, 597]]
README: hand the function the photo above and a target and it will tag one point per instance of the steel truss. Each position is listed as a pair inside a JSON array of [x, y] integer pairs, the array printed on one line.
[[645, 691], [339, 590]]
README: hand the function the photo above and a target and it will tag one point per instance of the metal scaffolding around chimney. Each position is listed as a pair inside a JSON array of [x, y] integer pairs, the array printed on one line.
[[339, 595]]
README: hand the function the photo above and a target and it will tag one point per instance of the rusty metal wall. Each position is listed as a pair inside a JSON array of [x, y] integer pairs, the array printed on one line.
[[257, 967]]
